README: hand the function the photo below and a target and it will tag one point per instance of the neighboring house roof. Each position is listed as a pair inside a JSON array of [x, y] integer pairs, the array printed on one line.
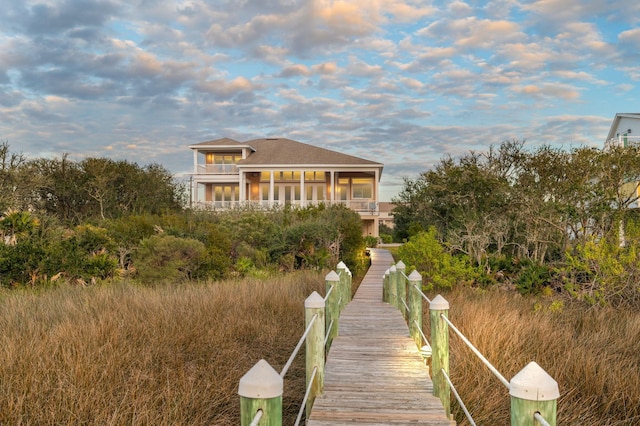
[[616, 121], [386, 207]]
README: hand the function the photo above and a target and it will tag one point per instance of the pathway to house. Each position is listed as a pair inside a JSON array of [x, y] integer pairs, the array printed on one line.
[[374, 374]]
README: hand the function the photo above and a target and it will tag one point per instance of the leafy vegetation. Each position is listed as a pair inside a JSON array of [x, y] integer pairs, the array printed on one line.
[[541, 220]]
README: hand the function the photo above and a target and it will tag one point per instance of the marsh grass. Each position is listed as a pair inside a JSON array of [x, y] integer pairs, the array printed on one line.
[[593, 354], [166, 355]]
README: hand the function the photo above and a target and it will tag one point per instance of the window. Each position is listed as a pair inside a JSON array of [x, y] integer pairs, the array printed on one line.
[[362, 188]]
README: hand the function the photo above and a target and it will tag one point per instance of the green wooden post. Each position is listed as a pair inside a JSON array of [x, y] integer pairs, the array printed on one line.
[[261, 389], [440, 356], [349, 285], [401, 282], [393, 287], [533, 391], [385, 287], [314, 305], [415, 308], [341, 269], [332, 312]]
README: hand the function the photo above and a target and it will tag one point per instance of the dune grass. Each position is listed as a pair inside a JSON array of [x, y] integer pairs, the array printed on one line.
[[168, 355], [173, 355], [593, 354]]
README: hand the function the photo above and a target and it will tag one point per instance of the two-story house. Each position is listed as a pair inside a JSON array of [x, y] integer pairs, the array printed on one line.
[[624, 130], [278, 171]]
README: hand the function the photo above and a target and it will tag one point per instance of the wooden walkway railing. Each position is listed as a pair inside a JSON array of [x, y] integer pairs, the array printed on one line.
[[374, 373]]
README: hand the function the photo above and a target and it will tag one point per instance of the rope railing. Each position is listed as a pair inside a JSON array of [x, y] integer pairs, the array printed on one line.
[[455, 393], [477, 352], [261, 387], [306, 396], [541, 419], [298, 346], [531, 387]]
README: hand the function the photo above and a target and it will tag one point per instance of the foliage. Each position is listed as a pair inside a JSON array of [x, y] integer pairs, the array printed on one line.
[[438, 268], [164, 258]]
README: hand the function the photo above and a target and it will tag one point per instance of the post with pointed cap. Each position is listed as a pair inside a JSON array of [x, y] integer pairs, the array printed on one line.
[[533, 391], [401, 283], [314, 307], [341, 269], [393, 287], [261, 390], [332, 313], [415, 307], [440, 355]]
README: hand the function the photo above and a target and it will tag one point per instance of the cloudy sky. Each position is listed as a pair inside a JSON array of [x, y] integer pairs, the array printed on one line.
[[400, 82]]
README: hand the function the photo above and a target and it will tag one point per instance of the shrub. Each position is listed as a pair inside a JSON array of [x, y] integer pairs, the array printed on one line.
[[164, 258]]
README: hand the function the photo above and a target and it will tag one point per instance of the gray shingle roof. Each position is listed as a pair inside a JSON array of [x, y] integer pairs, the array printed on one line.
[[286, 151]]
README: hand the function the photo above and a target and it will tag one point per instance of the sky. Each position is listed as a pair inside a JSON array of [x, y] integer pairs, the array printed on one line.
[[404, 83]]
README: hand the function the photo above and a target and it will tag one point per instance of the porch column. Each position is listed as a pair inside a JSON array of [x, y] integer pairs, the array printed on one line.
[[271, 190], [242, 183], [303, 195], [333, 187], [376, 185]]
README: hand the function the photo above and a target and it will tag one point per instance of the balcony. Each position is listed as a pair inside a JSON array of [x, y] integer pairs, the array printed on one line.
[[365, 208], [623, 140], [217, 169]]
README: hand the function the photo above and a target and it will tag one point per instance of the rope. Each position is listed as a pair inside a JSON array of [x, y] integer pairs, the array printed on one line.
[[295, 351], [306, 395], [326, 336], [326, 297], [453, 389], [424, 338], [477, 352], [541, 419], [256, 418], [423, 295]]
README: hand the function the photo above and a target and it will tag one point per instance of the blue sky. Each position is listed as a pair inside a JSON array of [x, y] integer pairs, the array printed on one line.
[[404, 83]]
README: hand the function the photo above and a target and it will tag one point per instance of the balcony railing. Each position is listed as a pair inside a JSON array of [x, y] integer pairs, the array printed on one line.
[[217, 169], [623, 140], [362, 207]]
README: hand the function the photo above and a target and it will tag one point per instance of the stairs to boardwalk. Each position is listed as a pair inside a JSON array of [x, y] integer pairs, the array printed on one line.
[[374, 374]]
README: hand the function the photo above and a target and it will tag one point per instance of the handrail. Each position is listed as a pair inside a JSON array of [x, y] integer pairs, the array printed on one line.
[[477, 352], [328, 333], [326, 296], [540, 419], [306, 396], [455, 393], [297, 348], [531, 387], [257, 418]]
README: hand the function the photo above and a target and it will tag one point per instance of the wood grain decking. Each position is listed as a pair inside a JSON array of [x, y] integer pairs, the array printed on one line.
[[374, 374]]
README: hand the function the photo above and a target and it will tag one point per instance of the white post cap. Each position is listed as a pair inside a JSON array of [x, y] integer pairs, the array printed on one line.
[[392, 269], [415, 276], [341, 265], [332, 276], [532, 383], [262, 381], [439, 303], [400, 265], [314, 301]]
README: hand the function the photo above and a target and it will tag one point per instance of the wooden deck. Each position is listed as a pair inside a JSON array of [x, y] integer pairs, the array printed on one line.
[[374, 374]]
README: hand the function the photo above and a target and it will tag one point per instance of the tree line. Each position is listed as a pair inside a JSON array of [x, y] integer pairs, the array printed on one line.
[[101, 219], [545, 219]]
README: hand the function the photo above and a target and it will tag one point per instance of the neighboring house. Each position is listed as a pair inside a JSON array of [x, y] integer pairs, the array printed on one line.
[[386, 216], [278, 171], [624, 131]]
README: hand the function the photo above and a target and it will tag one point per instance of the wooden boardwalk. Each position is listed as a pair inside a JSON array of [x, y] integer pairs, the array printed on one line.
[[374, 374]]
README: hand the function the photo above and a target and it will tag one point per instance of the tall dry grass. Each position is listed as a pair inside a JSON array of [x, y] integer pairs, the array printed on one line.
[[124, 354], [593, 354]]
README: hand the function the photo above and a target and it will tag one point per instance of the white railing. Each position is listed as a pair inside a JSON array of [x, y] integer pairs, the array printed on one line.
[[217, 169], [363, 207], [623, 140]]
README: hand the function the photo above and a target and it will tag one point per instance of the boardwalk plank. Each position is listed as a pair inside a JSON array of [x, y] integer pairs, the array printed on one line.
[[374, 373]]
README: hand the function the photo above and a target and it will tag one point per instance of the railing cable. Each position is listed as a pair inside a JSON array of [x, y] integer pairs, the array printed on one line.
[[328, 333], [477, 352], [326, 297], [424, 296], [424, 338], [295, 351], [256, 418], [540, 419], [405, 304], [455, 392], [306, 395]]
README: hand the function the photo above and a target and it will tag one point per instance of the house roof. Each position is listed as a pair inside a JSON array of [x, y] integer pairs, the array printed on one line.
[[219, 143], [282, 151], [616, 121]]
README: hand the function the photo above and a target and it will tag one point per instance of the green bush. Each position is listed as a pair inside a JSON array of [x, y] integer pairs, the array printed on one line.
[[533, 278], [165, 258], [438, 268]]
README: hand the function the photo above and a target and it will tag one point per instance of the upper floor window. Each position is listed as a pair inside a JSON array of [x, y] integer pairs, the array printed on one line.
[[362, 188]]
